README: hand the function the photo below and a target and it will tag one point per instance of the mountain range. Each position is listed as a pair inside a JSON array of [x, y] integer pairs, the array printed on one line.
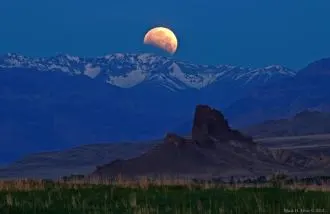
[[131, 70], [52, 103]]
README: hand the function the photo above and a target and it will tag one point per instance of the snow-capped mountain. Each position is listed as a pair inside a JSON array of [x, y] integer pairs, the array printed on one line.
[[129, 70], [64, 101]]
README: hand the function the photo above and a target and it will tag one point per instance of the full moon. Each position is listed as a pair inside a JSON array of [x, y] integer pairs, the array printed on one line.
[[162, 38]]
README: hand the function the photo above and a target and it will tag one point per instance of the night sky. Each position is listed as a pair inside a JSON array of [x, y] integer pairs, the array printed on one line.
[[239, 32]]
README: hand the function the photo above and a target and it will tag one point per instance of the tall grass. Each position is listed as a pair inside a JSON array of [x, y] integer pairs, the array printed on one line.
[[157, 196]]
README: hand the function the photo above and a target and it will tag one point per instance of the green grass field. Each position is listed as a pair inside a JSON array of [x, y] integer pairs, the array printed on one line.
[[56, 198]]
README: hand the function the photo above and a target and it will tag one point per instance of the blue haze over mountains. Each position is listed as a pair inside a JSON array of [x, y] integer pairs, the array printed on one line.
[[63, 101]]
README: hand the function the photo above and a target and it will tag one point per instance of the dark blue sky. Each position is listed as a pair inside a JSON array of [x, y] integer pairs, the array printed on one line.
[[240, 32]]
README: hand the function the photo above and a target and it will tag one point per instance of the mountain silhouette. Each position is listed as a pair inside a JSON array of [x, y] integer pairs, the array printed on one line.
[[304, 123], [213, 150]]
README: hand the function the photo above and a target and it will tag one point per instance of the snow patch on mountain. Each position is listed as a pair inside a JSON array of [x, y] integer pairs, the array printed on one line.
[[58, 67], [167, 82], [91, 71], [268, 73], [72, 58], [198, 80], [128, 80]]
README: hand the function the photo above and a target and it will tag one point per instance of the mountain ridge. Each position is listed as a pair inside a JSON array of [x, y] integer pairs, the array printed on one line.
[[308, 90], [127, 70], [307, 122]]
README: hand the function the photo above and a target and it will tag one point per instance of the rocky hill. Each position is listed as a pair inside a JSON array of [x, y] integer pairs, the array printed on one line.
[[213, 150]]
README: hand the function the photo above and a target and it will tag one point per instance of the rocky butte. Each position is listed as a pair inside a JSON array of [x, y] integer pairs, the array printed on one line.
[[213, 150]]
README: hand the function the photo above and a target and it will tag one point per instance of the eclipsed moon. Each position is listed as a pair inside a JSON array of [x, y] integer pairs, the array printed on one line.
[[163, 38]]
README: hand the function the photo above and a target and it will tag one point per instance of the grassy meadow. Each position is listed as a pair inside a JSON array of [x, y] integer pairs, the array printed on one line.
[[160, 196]]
